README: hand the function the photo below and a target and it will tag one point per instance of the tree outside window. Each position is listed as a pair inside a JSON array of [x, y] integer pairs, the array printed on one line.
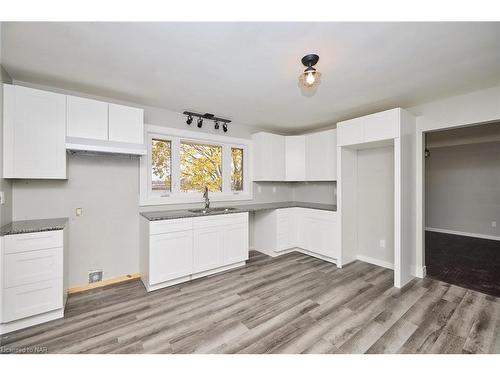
[[161, 155], [236, 169], [200, 166]]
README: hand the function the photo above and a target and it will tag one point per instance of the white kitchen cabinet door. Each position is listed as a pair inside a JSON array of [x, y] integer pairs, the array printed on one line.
[[277, 157], [235, 243], [269, 157], [350, 132], [171, 256], [286, 229], [208, 248], [381, 126], [295, 158], [126, 124], [34, 133], [320, 235], [86, 118], [321, 156]]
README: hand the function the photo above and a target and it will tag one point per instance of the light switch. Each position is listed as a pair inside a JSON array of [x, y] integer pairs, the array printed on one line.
[[382, 244], [274, 189], [494, 224], [2, 197], [79, 211], [259, 188]]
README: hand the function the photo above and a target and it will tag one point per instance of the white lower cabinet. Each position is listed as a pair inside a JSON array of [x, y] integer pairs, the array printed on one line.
[[319, 232], [207, 248], [32, 279], [311, 231], [170, 256], [179, 250]]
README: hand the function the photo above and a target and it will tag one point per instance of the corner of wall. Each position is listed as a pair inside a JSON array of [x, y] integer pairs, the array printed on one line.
[[5, 185]]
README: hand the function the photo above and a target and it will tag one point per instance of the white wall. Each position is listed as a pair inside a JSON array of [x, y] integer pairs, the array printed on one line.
[[5, 185], [317, 192], [462, 188], [375, 204]]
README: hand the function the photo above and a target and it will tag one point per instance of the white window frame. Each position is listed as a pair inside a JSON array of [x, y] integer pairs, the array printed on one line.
[[148, 197]]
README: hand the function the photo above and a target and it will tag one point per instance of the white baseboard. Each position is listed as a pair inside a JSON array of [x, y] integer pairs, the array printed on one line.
[[419, 272], [466, 234], [376, 262]]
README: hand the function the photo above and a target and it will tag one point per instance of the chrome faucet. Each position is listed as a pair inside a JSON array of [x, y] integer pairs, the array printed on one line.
[[205, 196]]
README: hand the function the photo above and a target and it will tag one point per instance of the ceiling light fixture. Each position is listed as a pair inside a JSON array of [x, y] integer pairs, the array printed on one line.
[[311, 77], [200, 122], [189, 120], [224, 127], [216, 125]]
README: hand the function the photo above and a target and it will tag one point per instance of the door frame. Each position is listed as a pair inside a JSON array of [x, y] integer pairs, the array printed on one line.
[[421, 129]]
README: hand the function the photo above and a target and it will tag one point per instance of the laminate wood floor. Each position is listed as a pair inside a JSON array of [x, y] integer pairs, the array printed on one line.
[[290, 304]]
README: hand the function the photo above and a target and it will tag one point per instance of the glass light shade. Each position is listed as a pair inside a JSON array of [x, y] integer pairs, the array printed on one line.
[[310, 79]]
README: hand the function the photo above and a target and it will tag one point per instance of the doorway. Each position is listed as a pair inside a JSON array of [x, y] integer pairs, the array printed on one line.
[[462, 206]]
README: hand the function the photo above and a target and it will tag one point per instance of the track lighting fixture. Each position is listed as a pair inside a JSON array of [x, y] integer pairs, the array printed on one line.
[[311, 77], [207, 116]]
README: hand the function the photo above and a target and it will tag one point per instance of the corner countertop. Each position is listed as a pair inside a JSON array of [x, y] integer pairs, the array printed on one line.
[[180, 214], [32, 226]]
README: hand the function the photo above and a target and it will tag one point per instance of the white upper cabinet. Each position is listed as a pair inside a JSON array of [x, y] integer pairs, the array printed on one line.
[[382, 125], [87, 118], [34, 133], [269, 157], [295, 160], [321, 156], [372, 128], [126, 124], [311, 157]]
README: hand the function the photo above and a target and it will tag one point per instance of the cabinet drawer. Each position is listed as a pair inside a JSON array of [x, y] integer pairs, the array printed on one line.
[[219, 220], [17, 243], [169, 226], [28, 300], [32, 266]]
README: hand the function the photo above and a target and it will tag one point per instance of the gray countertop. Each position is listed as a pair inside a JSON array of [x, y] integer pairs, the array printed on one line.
[[31, 226], [179, 214]]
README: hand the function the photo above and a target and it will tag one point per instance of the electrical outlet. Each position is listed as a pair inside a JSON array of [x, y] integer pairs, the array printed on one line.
[[382, 244], [494, 224], [95, 276], [79, 211]]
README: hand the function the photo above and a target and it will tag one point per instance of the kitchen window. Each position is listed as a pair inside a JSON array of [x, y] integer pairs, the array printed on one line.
[[201, 166], [161, 165], [180, 164], [236, 169]]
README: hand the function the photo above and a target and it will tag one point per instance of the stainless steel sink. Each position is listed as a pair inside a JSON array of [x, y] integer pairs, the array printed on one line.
[[214, 209]]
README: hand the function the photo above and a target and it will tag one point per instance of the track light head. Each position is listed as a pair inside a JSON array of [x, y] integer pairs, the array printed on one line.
[[224, 127], [200, 122], [189, 120], [216, 126]]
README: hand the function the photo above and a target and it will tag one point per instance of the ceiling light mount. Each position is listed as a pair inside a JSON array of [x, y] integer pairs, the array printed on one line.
[[207, 116], [311, 77]]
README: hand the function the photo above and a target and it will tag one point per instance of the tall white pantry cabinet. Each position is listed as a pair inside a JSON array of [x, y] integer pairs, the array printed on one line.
[[394, 128]]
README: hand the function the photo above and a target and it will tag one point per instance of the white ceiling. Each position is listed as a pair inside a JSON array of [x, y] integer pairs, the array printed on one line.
[[248, 71]]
